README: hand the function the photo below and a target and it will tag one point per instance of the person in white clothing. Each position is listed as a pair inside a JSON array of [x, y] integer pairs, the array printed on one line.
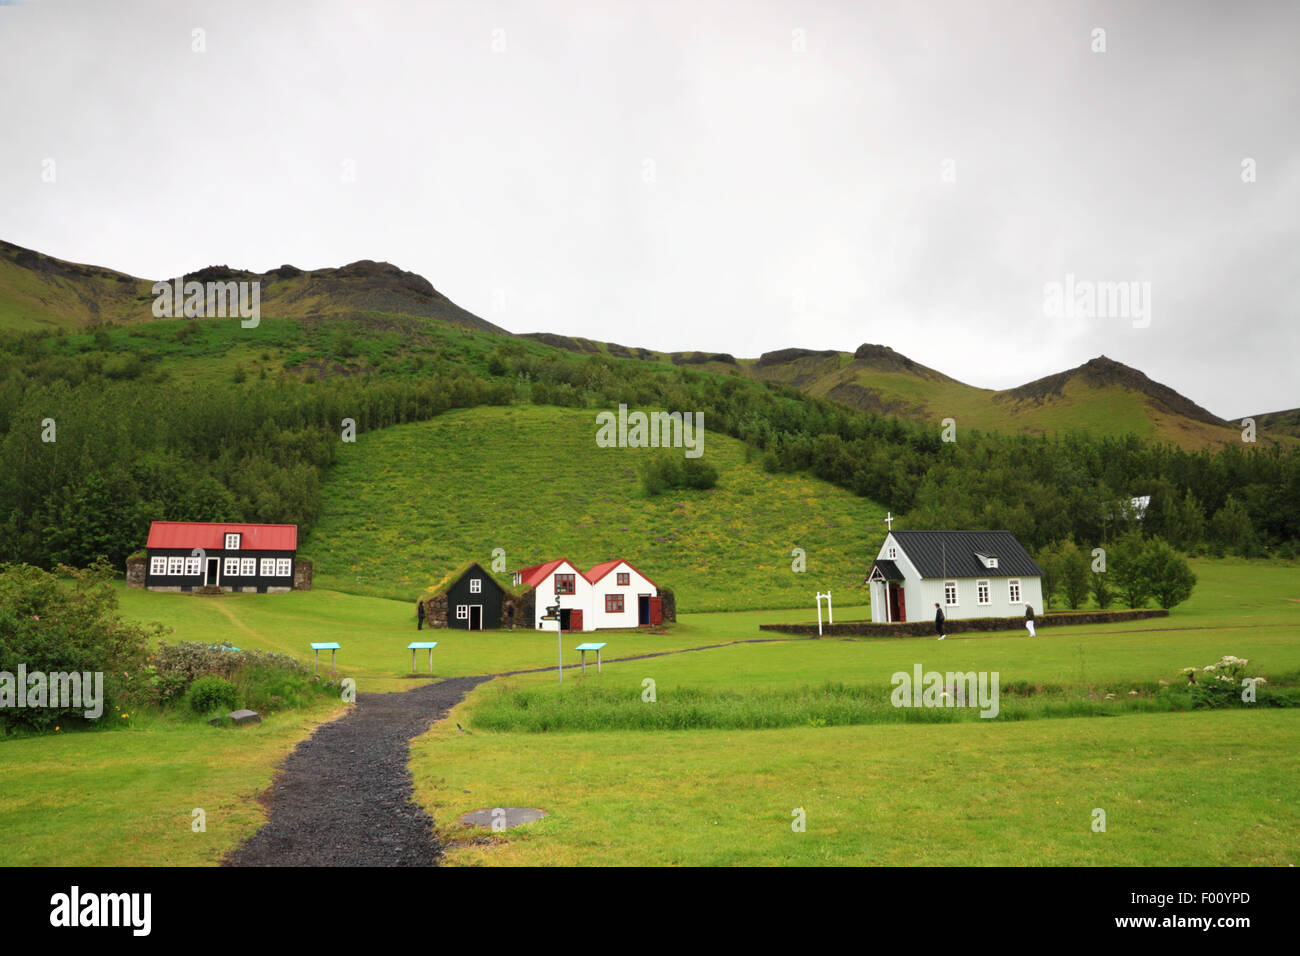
[[1029, 620]]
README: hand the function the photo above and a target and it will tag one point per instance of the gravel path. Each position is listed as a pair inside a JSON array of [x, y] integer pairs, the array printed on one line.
[[343, 797]]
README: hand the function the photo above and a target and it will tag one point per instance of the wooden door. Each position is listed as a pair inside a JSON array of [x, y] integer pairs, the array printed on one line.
[[575, 619], [656, 610], [902, 604]]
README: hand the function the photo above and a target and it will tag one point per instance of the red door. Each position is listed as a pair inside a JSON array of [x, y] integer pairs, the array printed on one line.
[[656, 610], [575, 620], [902, 604]]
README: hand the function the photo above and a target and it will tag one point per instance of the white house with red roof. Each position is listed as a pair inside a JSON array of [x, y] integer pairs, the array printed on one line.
[[184, 555], [610, 594]]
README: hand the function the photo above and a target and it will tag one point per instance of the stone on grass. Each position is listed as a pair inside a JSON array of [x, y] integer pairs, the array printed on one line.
[[239, 717], [513, 816]]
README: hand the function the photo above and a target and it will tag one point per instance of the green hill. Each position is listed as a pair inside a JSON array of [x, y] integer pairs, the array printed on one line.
[[405, 504]]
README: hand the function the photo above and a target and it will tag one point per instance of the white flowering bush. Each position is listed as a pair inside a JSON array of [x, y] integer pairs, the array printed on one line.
[[1218, 684]]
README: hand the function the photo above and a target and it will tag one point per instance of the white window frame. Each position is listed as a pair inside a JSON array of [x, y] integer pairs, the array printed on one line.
[[266, 566], [954, 602], [475, 585], [983, 593], [283, 567], [893, 553], [462, 612], [232, 541], [158, 564], [993, 562], [193, 566], [230, 567], [1014, 591], [175, 564], [248, 567]]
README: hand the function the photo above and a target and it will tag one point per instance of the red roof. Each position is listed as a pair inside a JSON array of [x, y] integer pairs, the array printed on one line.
[[211, 535], [531, 577], [602, 569]]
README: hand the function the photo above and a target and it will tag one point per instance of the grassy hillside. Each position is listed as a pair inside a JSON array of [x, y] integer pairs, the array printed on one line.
[[405, 504]]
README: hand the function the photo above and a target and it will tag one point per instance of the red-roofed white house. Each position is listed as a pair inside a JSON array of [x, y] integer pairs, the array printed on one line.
[[611, 594], [184, 555]]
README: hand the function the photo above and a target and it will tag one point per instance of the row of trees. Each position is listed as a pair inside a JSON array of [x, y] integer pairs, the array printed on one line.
[[1133, 570]]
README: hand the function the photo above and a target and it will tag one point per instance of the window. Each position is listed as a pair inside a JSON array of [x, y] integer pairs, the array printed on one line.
[[232, 542], [624, 579], [266, 567], [983, 588], [613, 604], [157, 565], [283, 567], [950, 593], [476, 586], [1013, 591], [565, 584], [230, 567], [175, 565], [192, 566], [893, 553], [462, 612], [993, 562], [248, 567]]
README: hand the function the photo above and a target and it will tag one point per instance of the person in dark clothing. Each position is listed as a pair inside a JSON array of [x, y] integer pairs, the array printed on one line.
[[1029, 620], [510, 614], [939, 622], [419, 616]]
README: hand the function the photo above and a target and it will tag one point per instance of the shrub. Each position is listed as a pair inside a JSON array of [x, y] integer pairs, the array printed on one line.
[[212, 693], [174, 667], [52, 627], [667, 470]]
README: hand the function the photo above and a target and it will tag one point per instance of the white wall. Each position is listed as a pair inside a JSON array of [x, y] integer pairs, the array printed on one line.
[[637, 585], [580, 599]]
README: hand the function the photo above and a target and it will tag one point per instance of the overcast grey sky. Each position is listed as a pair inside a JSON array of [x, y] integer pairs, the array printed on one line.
[[732, 176]]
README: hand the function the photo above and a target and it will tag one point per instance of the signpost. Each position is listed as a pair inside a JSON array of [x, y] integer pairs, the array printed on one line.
[[829, 612], [421, 645], [553, 614]]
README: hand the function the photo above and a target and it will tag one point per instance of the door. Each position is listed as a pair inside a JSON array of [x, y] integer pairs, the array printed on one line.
[[575, 619], [893, 604], [213, 576], [902, 604], [476, 617], [565, 617], [656, 610], [643, 609]]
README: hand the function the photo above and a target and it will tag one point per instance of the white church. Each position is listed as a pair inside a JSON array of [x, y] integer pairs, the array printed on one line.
[[967, 573]]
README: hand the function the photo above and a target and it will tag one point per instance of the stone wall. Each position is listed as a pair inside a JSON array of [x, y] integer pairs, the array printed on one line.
[[435, 611], [668, 604], [302, 574], [136, 568], [926, 627]]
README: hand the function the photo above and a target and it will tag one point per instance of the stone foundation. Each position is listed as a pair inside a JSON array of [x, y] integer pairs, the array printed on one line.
[[136, 569]]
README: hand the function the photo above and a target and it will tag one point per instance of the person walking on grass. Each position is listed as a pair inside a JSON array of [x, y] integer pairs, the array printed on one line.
[[419, 616], [1029, 620], [940, 622]]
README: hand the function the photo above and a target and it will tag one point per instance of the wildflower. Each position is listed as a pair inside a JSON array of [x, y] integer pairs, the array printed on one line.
[[36, 617], [56, 728], [1132, 693], [1209, 667]]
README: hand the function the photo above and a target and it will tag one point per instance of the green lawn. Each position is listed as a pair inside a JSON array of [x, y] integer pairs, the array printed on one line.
[[125, 797], [405, 505], [1205, 788]]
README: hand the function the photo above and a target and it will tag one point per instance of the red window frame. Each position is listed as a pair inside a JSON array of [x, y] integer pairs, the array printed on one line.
[[566, 584], [624, 579], [613, 604]]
